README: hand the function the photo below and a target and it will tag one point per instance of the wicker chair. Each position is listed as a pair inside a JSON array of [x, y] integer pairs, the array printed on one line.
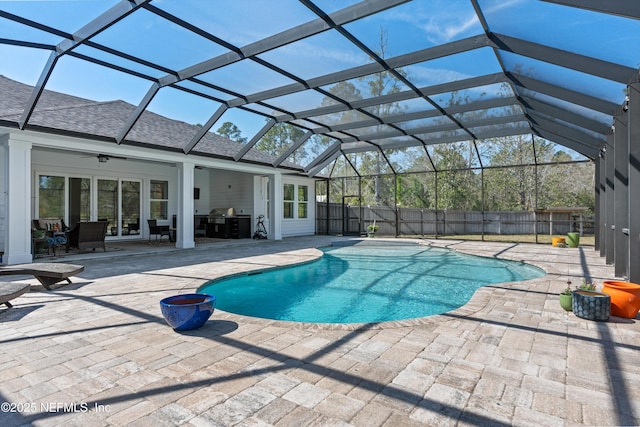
[[158, 230], [134, 226], [87, 235]]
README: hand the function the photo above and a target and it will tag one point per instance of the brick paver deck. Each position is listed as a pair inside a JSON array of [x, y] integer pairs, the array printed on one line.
[[97, 352]]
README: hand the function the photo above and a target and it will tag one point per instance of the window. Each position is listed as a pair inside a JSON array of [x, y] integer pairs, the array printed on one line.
[[51, 195], [289, 200], [296, 202], [159, 200], [303, 199]]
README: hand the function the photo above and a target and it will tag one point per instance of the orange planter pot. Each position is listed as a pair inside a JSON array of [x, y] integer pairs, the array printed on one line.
[[625, 298], [556, 240]]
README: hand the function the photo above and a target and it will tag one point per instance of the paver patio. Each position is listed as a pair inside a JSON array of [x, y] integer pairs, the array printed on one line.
[[97, 352]]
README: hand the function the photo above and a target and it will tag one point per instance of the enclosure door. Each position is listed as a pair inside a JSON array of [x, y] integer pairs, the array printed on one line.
[[351, 216], [119, 202]]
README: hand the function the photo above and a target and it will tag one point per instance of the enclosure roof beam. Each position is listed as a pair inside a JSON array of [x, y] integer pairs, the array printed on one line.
[[328, 152], [525, 128], [204, 129], [317, 26], [596, 67], [105, 20], [240, 154], [296, 144], [116, 13], [564, 115], [624, 8], [405, 117], [572, 97], [360, 146], [148, 97], [405, 95], [445, 127], [37, 90], [318, 166], [423, 55], [363, 146], [589, 152], [583, 139]]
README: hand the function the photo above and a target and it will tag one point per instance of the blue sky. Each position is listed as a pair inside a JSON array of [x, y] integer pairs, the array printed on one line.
[[415, 25]]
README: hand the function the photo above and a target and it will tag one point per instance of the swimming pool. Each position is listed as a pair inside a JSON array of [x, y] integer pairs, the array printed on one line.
[[365, 283]]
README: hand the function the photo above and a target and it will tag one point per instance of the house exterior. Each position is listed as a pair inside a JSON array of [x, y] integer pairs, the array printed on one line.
[[65, 164]]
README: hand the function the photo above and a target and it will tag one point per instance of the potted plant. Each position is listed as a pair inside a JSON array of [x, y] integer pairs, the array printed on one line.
[[566, 297], [587, 286], [371, 229], [589, 303], [38, 234], [573, 240]]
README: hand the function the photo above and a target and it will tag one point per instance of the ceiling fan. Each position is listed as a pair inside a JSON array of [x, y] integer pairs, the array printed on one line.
[[104, 158]]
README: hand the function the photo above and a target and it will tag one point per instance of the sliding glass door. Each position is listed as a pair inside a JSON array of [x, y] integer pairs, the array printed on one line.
[[79, 200], [108, 205], [73, 199], [130, 207], [119, 204]]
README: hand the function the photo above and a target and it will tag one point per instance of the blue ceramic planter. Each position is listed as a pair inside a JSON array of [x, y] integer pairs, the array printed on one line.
[[188, 311], [591, 305]]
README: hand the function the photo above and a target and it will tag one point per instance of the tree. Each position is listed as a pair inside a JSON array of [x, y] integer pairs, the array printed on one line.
[[232, 132], [416, 190], [566, 184], [457, 185], [279, 138], [510, 186]]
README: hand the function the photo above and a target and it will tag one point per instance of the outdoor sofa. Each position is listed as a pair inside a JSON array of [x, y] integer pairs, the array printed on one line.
[[87, 235]]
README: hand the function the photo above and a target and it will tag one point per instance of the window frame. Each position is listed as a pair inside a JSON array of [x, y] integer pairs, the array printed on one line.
[[288, 205], [303, 203], [291, 206], [162, 202]]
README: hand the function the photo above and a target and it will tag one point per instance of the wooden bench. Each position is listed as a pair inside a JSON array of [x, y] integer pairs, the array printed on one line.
[[12, 290], [47, 273]]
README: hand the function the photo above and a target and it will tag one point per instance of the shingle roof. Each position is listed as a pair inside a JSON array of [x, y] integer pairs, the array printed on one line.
[[80, 116]]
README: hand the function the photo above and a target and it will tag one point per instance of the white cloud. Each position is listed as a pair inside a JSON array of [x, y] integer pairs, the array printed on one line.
[[443, 31], [426, 76]]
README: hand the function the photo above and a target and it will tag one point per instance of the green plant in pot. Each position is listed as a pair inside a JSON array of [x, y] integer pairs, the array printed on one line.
[[566, 299], [566, 296], [587, 286], [371, 229], [38, 234]]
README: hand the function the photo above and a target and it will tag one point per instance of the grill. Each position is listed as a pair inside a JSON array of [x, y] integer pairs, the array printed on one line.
[[219, 215], [225, 224]]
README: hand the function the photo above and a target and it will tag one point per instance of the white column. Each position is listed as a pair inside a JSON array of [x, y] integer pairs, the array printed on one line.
[[260, 192], [277, 208], [184, 223], [18, 210]]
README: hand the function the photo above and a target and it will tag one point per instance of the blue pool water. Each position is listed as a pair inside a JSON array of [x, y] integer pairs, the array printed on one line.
[[355, 284]]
